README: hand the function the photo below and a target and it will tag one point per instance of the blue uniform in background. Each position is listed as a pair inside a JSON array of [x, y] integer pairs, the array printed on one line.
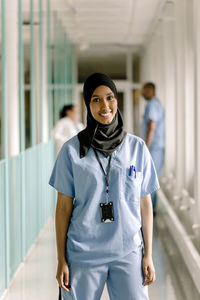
[[155, 112], [93, 248]]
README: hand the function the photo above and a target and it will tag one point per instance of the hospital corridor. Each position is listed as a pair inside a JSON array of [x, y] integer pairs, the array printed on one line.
[[100, 149]]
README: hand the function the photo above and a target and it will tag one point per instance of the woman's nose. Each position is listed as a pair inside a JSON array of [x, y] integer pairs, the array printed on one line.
[[104, 104]]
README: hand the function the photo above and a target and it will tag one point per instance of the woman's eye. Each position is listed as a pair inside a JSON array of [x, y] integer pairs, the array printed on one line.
[[95, 100], [110, 97]]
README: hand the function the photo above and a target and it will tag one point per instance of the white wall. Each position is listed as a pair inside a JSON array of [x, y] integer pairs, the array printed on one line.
[[171, 59]]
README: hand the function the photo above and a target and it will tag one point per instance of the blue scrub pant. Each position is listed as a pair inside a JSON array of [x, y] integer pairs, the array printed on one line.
[[124, 279], [158, 158]]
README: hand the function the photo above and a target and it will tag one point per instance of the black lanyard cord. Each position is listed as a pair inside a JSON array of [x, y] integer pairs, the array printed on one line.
[[108, 169]]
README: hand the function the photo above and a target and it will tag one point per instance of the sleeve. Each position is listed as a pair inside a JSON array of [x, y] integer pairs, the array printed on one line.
[[150, 180], [152, 112], [62, 175]]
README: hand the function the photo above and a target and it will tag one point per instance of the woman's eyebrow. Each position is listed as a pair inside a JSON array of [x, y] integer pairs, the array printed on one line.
[[110, 93]]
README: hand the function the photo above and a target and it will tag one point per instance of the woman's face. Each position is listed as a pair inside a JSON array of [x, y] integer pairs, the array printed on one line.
[[103, 104]]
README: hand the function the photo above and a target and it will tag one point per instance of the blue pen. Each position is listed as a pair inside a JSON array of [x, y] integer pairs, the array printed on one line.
[[132, 168]]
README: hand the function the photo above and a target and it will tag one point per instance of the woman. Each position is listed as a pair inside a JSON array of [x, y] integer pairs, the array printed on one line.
[[67, 127], [104, 178]]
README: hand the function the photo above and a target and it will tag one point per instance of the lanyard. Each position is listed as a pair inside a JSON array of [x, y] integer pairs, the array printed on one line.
[[106, 174]]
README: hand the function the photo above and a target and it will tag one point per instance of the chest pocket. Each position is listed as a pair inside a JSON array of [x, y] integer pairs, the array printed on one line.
[[132, 186]]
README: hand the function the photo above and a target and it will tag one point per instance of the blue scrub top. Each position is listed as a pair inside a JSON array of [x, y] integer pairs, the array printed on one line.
[[155, 112], [90, 241]]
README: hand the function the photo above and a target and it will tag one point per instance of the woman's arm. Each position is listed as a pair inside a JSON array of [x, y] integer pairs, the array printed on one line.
[[63, 215], [147, 229]]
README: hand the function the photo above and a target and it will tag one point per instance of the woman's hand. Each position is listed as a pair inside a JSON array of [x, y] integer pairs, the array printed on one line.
[[62, 275], [148, 270], [63, 215]]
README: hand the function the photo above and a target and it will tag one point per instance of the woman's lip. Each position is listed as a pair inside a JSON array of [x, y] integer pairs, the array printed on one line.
[[105, 114]]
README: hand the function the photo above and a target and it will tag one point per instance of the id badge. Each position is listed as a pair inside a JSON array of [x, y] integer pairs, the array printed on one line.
[[107, 212]]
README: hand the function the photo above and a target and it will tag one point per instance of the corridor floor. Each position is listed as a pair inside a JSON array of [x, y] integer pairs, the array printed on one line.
[[36, 277]]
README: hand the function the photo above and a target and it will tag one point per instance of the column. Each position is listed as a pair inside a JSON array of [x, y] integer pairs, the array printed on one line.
[[32, 75], [197, 109], [38, 83], [44, 58], [189, 98], [180, 95], [49, 70], [128, 96], [170, 99], [12, 77]]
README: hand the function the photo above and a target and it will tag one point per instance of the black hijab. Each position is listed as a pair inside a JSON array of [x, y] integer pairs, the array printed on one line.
[[103, 137]]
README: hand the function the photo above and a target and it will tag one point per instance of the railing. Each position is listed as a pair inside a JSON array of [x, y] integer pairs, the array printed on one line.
[[185, 208], [26, 203], [185, 245]]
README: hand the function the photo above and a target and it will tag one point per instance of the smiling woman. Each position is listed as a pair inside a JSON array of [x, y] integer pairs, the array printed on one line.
[[104, 129], [104, 213], [103, 104]]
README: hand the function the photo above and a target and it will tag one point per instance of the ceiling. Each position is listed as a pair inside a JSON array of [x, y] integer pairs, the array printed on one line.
[[104, 30], [110, 22], [116, 23]]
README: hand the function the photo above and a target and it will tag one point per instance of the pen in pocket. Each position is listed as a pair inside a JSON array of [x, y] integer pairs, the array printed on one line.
[[131, 170]]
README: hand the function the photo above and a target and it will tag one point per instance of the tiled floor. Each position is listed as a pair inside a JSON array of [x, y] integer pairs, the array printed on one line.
[[36, 278]]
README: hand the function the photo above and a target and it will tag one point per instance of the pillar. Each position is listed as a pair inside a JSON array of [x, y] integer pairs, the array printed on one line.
[[128, 96], [12, 76], [197, 110]]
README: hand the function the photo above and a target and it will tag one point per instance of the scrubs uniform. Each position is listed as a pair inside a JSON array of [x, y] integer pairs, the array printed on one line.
[[155, 112], [111, 252]]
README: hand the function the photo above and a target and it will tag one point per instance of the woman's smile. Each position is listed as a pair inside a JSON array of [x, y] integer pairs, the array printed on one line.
[[103, 104], [106, 114]]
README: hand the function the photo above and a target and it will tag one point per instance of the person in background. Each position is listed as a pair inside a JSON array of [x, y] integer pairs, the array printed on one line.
[[67, 127], [153, 130]]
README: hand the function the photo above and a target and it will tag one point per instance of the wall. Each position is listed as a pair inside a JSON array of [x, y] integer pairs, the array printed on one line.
[[171, 59]]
